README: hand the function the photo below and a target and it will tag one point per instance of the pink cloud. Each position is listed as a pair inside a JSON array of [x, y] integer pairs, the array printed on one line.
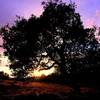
[[98, 13], [89, 23], [27, 13], [1, 50], [1, 42]]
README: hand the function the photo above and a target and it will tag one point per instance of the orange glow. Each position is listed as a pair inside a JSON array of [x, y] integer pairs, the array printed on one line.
[[4, 66], [38, 73], [4, 63]]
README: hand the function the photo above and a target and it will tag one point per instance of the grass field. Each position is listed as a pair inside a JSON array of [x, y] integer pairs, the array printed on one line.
[[19, 90]]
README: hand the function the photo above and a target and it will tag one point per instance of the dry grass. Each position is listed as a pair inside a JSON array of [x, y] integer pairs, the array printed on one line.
[[11, 89]]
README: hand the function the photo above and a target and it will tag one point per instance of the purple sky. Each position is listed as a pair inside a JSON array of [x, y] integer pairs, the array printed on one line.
[[88, 9]]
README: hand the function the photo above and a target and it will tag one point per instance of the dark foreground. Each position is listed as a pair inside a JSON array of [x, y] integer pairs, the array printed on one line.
[[18, 90]]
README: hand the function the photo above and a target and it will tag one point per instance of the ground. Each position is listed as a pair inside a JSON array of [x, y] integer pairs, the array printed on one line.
[[17, 90]]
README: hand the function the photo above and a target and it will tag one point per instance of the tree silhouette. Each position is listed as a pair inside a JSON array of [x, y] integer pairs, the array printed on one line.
[[21, 44], [62, 32], [59, 33], [66, 41]]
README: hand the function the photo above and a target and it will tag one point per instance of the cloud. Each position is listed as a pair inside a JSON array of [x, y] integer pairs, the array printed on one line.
[[97, 17], [1, 42], [98, 13], [89, 23]]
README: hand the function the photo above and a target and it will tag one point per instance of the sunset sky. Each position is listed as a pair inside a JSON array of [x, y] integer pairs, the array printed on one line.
[[88, 9]]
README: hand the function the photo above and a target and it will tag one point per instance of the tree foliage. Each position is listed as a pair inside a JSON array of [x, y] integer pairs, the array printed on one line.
[[20, 44], [65, 39]]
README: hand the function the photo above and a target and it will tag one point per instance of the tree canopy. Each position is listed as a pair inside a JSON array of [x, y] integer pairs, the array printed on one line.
[[20, 44], [58, 32]]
